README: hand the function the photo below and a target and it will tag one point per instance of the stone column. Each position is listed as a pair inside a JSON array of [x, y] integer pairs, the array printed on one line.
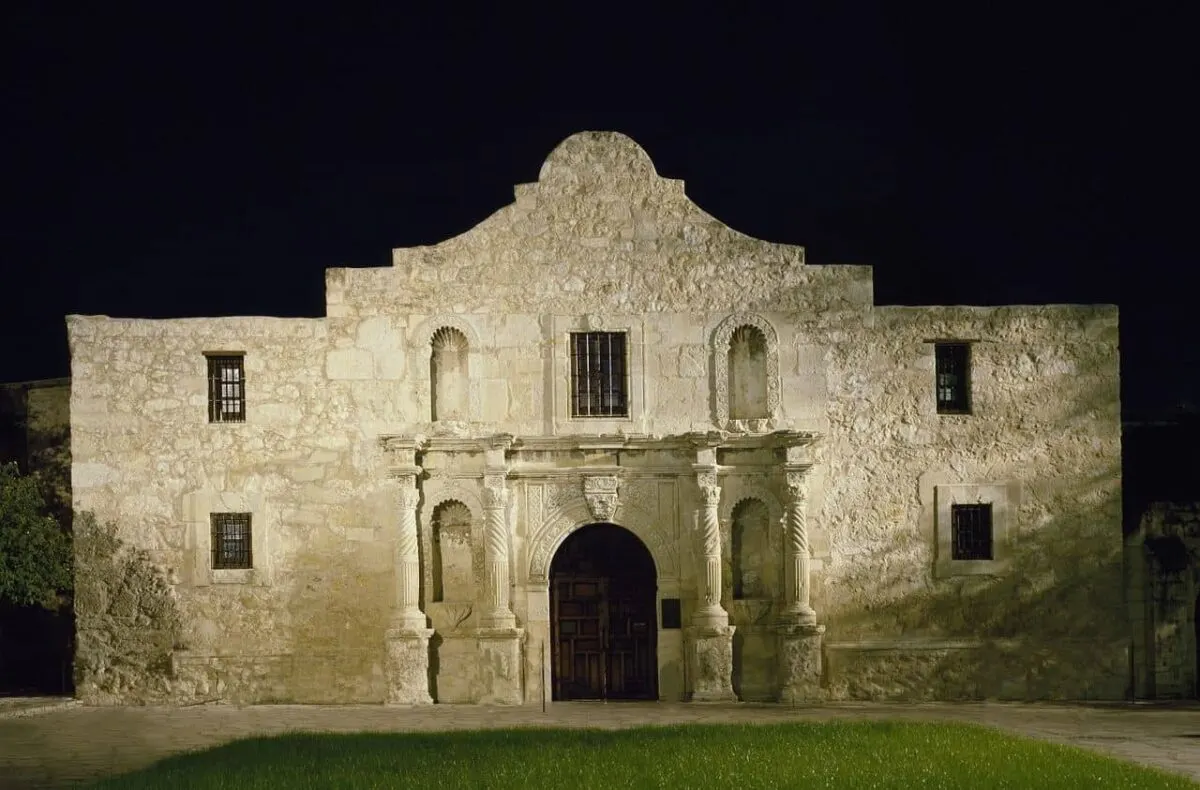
[[797, 607], [710, 637], [709, 611], [407, 635], [800, 637], [497, 612], [498, 639]]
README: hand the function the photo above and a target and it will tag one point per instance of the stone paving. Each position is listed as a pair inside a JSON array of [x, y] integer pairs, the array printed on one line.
[[57, 744]]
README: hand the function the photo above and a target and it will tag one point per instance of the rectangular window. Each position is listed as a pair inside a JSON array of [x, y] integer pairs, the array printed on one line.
[[231, 541], [953, 378], [971, 532], [671, 613], [598, 374], [226, 388]]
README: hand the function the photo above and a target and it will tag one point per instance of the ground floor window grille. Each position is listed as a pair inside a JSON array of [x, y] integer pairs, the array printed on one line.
[[971, 532], [231, 545]]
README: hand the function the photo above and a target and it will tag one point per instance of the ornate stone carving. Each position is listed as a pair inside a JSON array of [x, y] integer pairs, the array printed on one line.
[[559, 494], [407, 613], [641, 495], [546, 540], [495, 494], [429, 327], [710, 613], [721, 339], [796, 606], [600, 493], [496, 611], [533, 504]]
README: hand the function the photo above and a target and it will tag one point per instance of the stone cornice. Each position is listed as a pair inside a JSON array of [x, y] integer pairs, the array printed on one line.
[[626, 441]]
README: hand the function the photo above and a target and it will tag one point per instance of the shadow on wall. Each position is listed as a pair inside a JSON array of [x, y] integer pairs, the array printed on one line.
[[1052, 626]]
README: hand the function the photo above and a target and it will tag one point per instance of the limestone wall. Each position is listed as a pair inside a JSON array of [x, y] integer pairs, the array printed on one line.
[[147, 458], [1044, 437], [602, 243]]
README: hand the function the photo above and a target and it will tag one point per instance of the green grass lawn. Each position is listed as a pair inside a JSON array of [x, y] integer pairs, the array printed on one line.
[[868, 755]]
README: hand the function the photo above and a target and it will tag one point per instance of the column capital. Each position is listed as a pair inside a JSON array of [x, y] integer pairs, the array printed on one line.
[[706, 475], [404, 477], [495, 490], [402, 450], [795, 479]]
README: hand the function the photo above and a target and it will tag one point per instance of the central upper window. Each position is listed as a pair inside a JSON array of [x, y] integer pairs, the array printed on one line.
[[598, 375]]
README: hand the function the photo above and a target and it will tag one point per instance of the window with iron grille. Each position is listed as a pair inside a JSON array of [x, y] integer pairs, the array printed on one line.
[[231, 541], [226, 388], [953, 378], [971, 532], [598, 375]]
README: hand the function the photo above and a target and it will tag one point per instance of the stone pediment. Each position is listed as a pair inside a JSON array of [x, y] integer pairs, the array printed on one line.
[[600, 231]]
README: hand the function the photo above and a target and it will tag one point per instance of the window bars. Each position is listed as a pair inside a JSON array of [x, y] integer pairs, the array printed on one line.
[[231, 545], [953, 378], [971, 532], [598, 375], [226, 389]]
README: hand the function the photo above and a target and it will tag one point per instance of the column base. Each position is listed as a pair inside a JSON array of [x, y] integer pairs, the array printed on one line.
[[499, 680], [800, 663], [710, 663], [408, 666]]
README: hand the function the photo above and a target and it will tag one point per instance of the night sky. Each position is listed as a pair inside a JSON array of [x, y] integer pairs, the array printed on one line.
[[159, 165]]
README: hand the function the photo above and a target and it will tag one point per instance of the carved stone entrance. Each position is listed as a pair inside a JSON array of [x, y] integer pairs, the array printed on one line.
[[602, 620]]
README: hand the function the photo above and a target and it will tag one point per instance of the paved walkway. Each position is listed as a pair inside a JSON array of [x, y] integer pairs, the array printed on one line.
[[57, 747]]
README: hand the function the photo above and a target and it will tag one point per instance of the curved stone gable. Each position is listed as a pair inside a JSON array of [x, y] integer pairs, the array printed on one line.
[[600, 230]]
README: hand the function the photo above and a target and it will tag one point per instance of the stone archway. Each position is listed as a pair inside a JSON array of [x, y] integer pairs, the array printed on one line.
[[603, 616]]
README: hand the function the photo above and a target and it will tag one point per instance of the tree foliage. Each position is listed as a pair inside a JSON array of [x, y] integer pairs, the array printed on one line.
[[35, 552]]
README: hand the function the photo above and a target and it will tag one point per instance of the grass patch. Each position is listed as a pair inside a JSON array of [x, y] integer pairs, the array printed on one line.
[[850, 755]]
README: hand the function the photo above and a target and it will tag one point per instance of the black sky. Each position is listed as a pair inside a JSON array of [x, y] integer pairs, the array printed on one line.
[[157, 164]]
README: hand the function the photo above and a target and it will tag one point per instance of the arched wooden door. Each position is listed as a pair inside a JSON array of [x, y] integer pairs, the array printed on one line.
[[602, 622]]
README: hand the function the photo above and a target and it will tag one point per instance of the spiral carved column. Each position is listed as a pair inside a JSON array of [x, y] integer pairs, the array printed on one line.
[[407, 639], [800, 637], [408, 612], [498, 639], [710, 636], [710, 611], [797, 608]]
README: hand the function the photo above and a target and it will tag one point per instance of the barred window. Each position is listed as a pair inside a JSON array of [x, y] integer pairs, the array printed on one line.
[[953, 378], [598, 375], [226, 388], [231, 541], [971, 532]]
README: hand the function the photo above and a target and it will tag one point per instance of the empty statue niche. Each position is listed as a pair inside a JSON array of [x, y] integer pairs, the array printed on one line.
[[451, 549], [751, 550], [448, 375], [748, 374]]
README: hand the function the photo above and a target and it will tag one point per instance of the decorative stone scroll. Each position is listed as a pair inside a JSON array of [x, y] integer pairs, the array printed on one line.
[[600, 493], [721, 340]]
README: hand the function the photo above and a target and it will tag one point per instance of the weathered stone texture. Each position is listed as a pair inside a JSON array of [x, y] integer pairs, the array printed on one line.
[[602, 243]]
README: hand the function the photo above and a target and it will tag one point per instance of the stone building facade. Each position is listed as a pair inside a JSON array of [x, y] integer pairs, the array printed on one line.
[[602, 445]]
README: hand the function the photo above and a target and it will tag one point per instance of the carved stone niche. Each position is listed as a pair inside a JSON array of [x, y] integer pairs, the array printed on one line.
[[600, 493], [746, 374]]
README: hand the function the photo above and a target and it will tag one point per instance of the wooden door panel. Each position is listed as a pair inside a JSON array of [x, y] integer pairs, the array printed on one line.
[[603, 638]]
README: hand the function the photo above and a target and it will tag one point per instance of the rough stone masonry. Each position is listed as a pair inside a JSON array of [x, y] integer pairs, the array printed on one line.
[[410, 499]]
